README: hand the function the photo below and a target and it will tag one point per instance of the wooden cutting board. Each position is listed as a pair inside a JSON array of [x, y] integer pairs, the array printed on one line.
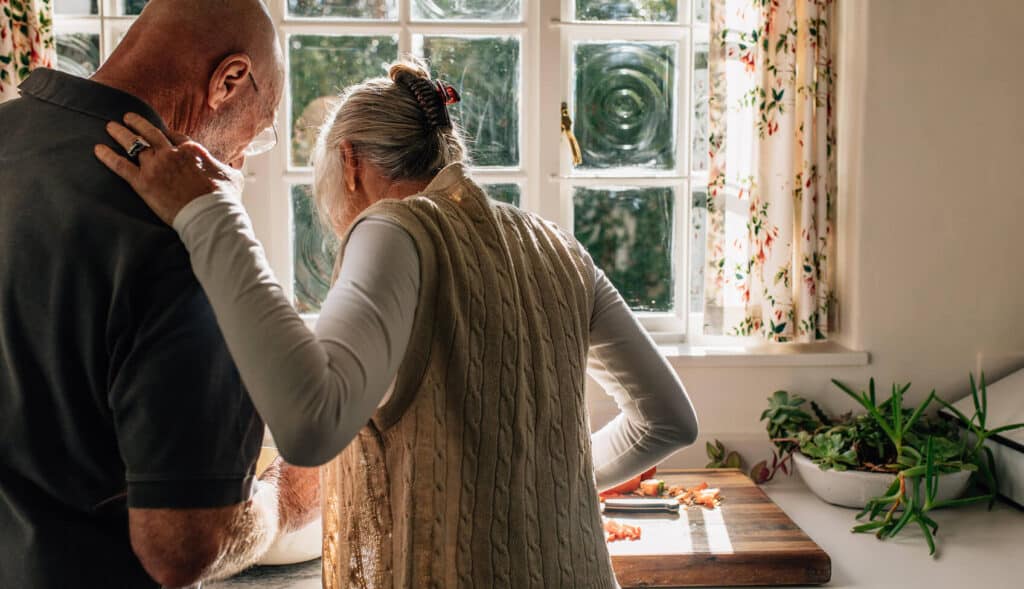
[[747, 540]]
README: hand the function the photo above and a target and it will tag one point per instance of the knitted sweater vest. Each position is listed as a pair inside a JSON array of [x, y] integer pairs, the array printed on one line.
[[478, 471]]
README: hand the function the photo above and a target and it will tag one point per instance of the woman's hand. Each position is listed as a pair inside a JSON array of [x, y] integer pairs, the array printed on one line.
[[172, 172]]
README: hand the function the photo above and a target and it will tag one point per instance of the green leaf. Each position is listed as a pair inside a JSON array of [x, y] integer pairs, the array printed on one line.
[[931, 480], [732, 460], [928, 537], [862, 528], [713, 452], [1003, 429], [984, 402], [974, 396], [908, 515], [920, 411], [931, 523], [962, 501]]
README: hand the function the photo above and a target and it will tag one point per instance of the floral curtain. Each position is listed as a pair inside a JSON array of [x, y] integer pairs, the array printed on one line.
[[771, 186], [26, 41]]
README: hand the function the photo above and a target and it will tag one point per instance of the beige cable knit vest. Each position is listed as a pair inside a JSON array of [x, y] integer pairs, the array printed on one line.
[[478, 471]]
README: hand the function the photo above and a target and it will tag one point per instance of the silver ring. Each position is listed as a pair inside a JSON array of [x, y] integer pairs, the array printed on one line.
[[138, 146]]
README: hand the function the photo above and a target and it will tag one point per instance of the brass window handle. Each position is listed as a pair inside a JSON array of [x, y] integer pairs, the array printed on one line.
[[574, 145]]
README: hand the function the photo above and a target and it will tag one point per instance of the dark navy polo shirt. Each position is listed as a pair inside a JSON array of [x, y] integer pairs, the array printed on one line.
[[116, 386]]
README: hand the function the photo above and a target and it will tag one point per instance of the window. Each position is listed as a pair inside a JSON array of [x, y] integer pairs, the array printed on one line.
[[88, 30], [479, 46], [633, 74]]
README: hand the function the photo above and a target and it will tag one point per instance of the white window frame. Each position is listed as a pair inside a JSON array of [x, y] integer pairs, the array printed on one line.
[[110, 23], [545, 174]]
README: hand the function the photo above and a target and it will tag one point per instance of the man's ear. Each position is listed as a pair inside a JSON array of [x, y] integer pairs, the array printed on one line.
[[229, 79], [350, 158]]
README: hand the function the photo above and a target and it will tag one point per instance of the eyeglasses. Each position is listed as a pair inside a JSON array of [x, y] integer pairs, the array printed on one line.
[[266, 139]]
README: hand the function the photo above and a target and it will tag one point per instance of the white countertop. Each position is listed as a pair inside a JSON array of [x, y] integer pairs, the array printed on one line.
[[977, 549]]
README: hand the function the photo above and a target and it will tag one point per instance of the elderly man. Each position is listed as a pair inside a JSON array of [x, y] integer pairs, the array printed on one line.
[[128, 445]]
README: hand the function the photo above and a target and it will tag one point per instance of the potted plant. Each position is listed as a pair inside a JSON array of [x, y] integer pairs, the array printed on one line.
[[895, 463]]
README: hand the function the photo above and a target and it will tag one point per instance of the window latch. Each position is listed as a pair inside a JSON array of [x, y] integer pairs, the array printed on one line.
[[577, 155]]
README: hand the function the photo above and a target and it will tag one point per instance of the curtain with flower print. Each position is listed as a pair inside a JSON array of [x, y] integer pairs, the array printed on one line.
[[26, 41], [771, 185]]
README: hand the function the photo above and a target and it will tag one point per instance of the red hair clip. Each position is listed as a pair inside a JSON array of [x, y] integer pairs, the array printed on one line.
[[449, 95]]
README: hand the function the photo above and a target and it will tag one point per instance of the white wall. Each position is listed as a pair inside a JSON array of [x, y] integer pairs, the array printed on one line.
[[931, 252]]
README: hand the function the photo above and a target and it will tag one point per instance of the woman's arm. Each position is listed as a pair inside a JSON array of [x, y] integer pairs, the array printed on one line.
[[656, 418], [314, 391]]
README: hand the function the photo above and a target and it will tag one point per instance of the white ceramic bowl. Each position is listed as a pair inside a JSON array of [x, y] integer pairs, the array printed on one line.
[[854, 488]]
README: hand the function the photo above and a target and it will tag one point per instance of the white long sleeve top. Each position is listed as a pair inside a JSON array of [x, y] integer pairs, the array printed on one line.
[[317, 390]]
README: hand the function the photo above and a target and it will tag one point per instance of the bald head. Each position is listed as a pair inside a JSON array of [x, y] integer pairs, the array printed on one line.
[[212, 69]]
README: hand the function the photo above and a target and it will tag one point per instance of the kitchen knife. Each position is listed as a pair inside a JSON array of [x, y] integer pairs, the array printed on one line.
[[640, 504]]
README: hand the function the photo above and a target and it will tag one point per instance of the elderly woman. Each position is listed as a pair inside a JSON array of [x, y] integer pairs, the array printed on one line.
[[444, 385]]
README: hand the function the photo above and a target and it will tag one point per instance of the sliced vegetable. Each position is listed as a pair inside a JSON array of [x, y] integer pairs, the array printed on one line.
[[652, 487], [616, 530]]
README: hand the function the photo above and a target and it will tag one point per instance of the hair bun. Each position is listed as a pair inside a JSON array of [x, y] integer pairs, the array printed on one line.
[[432, 96]]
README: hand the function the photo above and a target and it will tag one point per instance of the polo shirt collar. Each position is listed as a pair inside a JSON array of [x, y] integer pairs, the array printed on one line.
[[85, 96]]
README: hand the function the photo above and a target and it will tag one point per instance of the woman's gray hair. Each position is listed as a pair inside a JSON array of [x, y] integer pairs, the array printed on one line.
[[389, 128]]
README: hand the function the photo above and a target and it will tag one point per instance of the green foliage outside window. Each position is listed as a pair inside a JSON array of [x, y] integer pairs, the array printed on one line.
[[628, 232], [320, 68]]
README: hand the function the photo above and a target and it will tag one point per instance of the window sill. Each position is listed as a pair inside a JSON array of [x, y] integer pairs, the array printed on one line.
[[763, 355], [743, 354]]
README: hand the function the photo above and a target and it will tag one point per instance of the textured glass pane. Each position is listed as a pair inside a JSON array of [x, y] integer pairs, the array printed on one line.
[[628, 232], [698, 247], [700, 124], [507, 193], [624, 104], [320, 68], [313, 254], [78, 54], [646, 10], [76, 6], [134, 6], [467, 9], [371, 9], [702, 11], [485, 70]]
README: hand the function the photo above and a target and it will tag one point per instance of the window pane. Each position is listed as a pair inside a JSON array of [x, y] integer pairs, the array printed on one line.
[[78, 54], [624, 104], [370, 9], [701, 124], [507, 193], [648, 10], [76, 7], [698, 247], [313, 255], [320, 68], [467, 9], [133, 6], [628, 232], [485, 70]]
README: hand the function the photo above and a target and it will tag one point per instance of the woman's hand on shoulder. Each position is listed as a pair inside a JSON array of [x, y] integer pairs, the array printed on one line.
[[171, 172]]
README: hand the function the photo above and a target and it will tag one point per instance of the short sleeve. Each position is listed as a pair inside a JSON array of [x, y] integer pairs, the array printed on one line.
[[187, 431]]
